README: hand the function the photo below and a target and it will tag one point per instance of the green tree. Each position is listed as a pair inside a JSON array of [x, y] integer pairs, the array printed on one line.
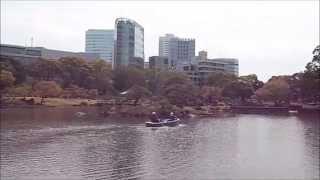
[[100, 77], [75, 71], [314, 65], [74, 91], [238, 89], [295, 84], [210, 94], [15, 67], [45, 70], [311, 78], [46, 89], [23, 90], [137, 92], [172, 78], [251, 80], [220, 79], [125, 77], [276, 90], [179, 89], [6, 79], [180, 95], [93, 93], [152, 78], [165, 107]]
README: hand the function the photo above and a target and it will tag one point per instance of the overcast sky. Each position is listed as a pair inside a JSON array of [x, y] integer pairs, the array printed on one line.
[[268, 37]]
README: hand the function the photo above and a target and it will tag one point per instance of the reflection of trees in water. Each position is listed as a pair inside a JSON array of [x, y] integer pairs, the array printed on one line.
[[43, 117], [311, 127], [115, 154], [31, 129]]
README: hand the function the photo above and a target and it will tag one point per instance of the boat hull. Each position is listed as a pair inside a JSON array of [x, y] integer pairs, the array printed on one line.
[[153, 124], [171, 123], [165, 122]]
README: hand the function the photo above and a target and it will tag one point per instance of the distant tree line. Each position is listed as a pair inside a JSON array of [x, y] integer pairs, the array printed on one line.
[[76, 78]]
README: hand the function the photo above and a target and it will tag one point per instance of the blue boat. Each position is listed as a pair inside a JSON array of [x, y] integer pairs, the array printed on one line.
[[163, 122]]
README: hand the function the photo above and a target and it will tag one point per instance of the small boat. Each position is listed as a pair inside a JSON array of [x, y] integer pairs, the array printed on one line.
[[163, 122], [154, 124], [80, 114], [169, 122], [293, 111]]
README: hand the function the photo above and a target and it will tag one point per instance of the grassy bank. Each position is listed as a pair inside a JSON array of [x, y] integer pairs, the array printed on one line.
[[112, 107], [51, 102]]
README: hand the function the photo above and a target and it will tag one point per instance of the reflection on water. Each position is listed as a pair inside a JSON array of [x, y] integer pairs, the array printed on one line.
[[55, 143]]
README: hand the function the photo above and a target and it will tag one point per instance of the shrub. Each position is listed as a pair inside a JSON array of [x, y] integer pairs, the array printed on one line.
[[6, 79], [20, 91], [47, 89]]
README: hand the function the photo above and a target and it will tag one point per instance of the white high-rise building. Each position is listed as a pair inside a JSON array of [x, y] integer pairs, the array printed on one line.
[[164, 44], [100, 41], [178, 50]]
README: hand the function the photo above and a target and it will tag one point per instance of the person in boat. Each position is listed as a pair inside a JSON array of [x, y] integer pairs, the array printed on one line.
[[172, 117], [154, 117]]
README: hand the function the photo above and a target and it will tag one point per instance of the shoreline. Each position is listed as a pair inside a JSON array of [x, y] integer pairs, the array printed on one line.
[[113, 109], [47, 102]]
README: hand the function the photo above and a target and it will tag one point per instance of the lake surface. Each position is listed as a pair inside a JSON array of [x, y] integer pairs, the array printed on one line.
[[54, 143]]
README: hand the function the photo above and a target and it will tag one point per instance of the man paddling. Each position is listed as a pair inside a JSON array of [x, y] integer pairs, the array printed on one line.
[[154, 117], [172, 117]]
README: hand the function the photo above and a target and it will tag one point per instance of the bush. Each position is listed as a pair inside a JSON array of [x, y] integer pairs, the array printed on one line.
[[84, 103], [276, 90], [47, 89], [20, 91], [6, 79], [93, 93], [74, 91]]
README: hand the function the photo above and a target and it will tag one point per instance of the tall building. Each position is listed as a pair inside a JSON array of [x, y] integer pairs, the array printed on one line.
[[203, 55], [159, 63], [27, 55], [230, 65], [202, 67], [129, 44], [178, 50], [100, 41], [164, 44]]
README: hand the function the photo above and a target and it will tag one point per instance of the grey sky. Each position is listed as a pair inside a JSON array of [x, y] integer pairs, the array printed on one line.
[[268, 37]]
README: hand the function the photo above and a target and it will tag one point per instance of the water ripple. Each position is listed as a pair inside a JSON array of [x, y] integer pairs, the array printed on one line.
[[246, 146]]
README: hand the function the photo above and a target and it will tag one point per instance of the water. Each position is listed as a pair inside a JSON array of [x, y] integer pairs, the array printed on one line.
[[54, 143]]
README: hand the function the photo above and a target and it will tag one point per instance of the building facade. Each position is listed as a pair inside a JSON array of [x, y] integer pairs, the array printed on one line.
[[158, 63], [230, 65], [178, 50], [27, 55], [128, 44], [199, 69], [100, 41], [164, 44], [203, 55]]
